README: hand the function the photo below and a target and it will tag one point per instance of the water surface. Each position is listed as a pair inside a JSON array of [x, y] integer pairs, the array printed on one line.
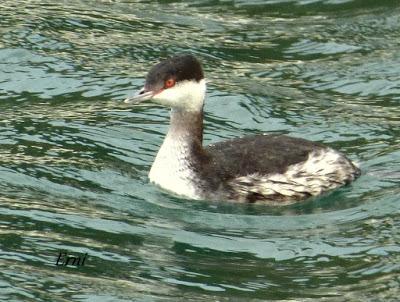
[[74, 160]]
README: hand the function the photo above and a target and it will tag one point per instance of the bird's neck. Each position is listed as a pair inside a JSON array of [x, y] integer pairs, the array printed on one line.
[[180, 154], [186, 127]]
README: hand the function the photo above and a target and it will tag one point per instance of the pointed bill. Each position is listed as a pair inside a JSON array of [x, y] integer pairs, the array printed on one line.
[[140, 97]]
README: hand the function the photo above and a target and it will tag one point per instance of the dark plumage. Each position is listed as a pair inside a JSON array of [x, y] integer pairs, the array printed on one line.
[[182, 68], [248, 153], [271, 168], [217, 167]]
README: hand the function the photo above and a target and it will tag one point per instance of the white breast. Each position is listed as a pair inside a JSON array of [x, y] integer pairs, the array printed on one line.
[[171, 170]]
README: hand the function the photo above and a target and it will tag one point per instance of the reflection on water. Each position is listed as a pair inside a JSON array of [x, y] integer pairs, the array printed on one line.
[[74, 159]]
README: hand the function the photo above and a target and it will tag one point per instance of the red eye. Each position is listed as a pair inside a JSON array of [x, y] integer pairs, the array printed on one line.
[[169, 83]]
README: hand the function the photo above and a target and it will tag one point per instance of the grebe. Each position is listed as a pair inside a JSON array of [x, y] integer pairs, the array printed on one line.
[[276, 169]]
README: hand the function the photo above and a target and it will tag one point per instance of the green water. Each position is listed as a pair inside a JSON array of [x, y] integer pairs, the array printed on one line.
[[74, 160]]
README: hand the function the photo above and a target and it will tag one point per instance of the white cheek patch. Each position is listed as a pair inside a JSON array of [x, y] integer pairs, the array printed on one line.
[[188, 95]]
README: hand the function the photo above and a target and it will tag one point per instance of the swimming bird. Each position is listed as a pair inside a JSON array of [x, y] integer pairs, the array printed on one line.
[[276, 169]]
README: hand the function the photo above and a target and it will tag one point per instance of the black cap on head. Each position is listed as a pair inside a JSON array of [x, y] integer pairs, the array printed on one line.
[[180, 68]]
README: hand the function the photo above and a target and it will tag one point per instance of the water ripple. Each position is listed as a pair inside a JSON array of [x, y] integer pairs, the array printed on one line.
[[74, 159]]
